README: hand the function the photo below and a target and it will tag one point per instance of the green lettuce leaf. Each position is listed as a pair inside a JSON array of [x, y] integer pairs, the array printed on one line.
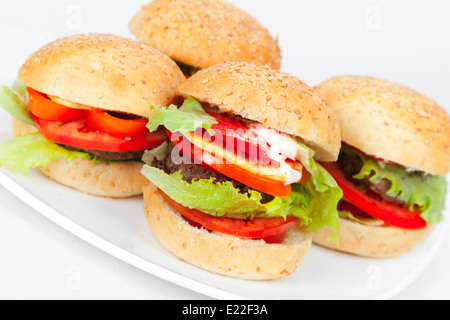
[[20, 89], [158, 153], [323, 194], [33, 150], [14, 105], [216, 199], [413, 187], [189, 117], [314, 202]]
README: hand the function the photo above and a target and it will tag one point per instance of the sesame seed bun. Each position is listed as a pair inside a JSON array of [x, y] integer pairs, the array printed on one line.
[[101, 178], [271, 97], [219, 253], [390, 121], [202, 33], [103, 71], [372, 241]]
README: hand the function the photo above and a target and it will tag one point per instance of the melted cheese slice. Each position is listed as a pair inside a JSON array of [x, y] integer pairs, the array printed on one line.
[[68, 103]]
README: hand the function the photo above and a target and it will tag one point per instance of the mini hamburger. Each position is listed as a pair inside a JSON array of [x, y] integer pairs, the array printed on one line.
[[391, 168], [201, 33], [236, 188], [80, 110]]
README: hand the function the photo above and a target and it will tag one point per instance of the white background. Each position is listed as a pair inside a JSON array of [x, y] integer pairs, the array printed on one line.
[[404, 41]]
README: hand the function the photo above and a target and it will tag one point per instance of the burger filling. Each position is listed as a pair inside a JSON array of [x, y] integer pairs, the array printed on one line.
[[224, 169], [69, 131], [187, 70], [387, 191], [351, 164], [191, 172]]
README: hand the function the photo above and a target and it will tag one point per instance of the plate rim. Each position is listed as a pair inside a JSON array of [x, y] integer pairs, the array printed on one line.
[[40, 206], [104, 245]]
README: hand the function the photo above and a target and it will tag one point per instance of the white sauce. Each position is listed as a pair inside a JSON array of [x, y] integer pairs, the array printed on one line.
[[279, 147]]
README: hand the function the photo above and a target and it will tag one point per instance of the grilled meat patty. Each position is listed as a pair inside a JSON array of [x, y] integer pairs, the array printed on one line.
[[111, 156]]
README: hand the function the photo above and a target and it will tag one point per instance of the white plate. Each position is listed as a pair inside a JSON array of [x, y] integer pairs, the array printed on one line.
[[119, 228]]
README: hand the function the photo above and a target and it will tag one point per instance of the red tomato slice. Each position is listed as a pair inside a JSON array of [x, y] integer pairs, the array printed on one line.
[[374, 205], [260, 183], [118, 126], [270, 229], [231, 133], [77, 134], [44, 108], [113, 123]]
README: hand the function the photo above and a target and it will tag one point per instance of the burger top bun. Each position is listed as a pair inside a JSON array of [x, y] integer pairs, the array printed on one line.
[[391, 122], [202, 33], [271, 97], [103, 71]]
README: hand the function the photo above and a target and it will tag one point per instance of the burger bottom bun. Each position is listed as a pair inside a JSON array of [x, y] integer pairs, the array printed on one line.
[[104, 179], [222, 254], [372, 241]]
